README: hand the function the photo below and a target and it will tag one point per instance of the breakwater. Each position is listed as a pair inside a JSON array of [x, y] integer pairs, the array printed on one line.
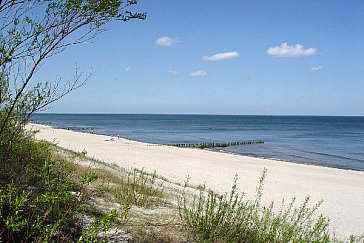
[[215, 145]]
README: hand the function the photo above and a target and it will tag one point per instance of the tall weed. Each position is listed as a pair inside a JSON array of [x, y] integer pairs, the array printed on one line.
[[140, 189], [212, 217]]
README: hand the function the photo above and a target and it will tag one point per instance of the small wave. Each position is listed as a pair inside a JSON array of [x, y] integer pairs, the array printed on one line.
[[306, 161], [335, 156]]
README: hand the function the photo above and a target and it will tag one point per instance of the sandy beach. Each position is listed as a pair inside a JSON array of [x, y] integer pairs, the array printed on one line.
[[341, 190]]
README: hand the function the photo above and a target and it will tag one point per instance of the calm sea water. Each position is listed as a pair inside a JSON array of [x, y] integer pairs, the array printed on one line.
[[327, 141]]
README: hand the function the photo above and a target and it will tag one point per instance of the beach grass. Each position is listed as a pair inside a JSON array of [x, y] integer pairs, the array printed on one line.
[[140, 189], [212, 217]]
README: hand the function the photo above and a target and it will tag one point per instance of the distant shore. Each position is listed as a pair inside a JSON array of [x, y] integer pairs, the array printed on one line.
[[341, 190]]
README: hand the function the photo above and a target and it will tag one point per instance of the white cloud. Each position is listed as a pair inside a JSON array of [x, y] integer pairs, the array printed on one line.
[[198, 73], [166, 41], [221, 56], [127, 69], [285, 50], [317, 68], [175, 72]]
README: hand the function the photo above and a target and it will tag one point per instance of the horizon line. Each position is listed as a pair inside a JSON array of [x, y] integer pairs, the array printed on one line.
[[191, 114]]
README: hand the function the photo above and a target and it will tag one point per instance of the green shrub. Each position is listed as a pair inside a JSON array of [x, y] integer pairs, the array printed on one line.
[[140, 189], [212, 217], [102, 224], [36, 202], [39, 201]]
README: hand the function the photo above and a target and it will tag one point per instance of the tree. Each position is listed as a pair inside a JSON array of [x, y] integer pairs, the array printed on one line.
[[31, 31], [37, 200]]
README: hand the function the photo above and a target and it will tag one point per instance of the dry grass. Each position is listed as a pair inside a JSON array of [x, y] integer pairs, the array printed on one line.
[[153, 214]]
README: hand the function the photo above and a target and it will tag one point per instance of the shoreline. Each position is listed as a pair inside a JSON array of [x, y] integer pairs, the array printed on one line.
[[342, 190], [207, 149], [282, 160]]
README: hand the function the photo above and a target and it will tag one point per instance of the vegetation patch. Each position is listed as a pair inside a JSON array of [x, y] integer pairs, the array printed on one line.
[[41, 201], [141, 189], [212, 217]]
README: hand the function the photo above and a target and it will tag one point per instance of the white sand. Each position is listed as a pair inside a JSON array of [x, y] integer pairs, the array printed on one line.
[[341, 190]]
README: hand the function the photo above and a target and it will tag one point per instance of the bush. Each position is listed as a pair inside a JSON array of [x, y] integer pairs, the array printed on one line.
[[231, 218], [38, 199]]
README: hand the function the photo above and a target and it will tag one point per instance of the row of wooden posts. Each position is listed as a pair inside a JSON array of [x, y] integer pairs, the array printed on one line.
[[213, 145]]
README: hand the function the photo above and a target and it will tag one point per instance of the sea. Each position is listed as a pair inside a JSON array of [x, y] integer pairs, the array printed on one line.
[[330, 141]]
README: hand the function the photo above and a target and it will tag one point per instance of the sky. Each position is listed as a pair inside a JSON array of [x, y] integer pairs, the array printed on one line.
[[222, 57]]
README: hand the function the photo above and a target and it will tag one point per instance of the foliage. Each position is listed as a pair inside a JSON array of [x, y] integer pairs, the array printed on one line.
[[140, 189], [232, 218], [101, 224], [33, 31], [356, 238], [40, 202]]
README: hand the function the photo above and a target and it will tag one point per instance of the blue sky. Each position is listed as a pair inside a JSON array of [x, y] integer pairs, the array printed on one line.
[[223, 57]]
